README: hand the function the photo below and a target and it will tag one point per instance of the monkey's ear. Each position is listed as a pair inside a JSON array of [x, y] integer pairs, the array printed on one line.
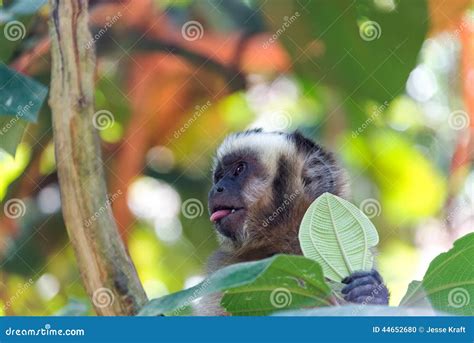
[[321, 172]]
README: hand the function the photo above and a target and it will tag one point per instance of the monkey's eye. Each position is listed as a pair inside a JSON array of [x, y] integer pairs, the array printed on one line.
[[239, 169]]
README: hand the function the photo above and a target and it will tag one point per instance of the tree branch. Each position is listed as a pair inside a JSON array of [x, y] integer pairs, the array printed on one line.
[[107, 272], [235, 78], [231, 73]]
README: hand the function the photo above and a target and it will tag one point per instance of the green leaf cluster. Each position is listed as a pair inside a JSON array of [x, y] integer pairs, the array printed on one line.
[[336, 239]]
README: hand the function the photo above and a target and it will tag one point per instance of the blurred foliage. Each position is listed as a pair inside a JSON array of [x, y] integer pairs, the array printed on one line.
[[21, 11], [381, 102], [20, 101], [330, 38]]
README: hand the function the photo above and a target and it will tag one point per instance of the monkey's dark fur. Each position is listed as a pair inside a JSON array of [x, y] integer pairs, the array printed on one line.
[[263, 184]]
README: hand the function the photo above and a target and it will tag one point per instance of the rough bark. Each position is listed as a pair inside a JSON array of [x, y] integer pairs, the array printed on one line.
[[107, 272]]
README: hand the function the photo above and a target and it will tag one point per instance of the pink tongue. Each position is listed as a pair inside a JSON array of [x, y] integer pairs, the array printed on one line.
[[219, 215]]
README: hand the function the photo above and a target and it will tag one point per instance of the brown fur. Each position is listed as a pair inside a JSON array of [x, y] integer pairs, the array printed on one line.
[[296, 183]]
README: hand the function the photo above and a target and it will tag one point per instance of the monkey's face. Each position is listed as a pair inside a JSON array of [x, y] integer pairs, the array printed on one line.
[[231, 198], [263, 184]]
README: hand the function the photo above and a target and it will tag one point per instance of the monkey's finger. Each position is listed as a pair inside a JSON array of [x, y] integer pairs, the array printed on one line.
[[362, 273], [376, 275], [360, 291], [366, 280], [355, 275], [370, 291]]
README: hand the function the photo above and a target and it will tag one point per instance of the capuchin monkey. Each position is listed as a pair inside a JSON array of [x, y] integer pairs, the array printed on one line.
[[263, 183]]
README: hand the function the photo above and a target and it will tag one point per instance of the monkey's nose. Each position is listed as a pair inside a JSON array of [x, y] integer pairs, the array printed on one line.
[[220, 189]]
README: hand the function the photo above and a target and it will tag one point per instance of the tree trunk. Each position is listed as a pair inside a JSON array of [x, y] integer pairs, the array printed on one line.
[[107, 272]]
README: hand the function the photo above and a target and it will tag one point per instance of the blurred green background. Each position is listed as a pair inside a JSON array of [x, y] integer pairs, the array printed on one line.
[[385, 84]]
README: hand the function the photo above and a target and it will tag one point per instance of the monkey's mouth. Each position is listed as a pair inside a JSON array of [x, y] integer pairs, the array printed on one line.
[[222, 212]]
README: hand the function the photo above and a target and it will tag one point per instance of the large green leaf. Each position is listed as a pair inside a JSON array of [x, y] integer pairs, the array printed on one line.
[[415, 296], [291, 282], [232, 276], [449, 281], [269, 273], [11, 132], [21, 99], [20, 95], [338, 236]]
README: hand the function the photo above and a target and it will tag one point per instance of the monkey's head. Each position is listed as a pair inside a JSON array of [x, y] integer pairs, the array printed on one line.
[[263, 182]]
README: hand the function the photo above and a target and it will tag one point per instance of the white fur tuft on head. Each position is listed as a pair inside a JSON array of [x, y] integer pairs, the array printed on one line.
[[268, 145]]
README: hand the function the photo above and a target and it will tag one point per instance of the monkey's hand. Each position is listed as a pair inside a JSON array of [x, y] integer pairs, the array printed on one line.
[[365, 287]]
